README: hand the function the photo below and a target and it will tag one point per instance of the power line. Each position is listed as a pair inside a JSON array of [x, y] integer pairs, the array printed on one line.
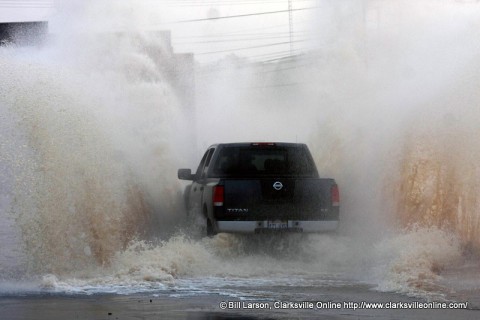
[[239, 34], [233, 40], [252, 47], [26, 4], [284, 69], [277, 56], [270, 54], [242, 15], [226, 3], [292, 58], [290, 25], [258, 34]]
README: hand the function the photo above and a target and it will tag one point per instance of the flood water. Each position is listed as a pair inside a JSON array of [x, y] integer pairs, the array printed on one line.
[[93, 132]]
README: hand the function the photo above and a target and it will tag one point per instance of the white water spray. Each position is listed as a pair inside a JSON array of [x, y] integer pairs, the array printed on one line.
[[91, 152]]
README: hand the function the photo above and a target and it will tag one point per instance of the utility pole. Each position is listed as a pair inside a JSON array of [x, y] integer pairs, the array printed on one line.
[[290, 24]]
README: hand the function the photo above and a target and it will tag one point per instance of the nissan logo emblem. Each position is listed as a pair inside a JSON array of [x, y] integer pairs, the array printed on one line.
[[278, 186]]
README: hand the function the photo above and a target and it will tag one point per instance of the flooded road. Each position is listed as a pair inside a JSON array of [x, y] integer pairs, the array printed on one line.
[[236, 277], [93, 130], [253, 301]]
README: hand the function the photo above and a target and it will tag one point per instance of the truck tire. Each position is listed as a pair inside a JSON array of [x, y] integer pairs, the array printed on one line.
[[210, 231]]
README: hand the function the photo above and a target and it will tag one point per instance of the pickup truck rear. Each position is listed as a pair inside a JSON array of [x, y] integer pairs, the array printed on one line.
[[261, 187]]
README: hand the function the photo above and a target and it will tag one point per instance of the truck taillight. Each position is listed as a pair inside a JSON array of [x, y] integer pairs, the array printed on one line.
[[335, 196], [218, 194]]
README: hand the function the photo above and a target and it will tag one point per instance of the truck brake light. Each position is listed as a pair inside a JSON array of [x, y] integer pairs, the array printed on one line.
[[335, 196], [263, 144], [218, 195]]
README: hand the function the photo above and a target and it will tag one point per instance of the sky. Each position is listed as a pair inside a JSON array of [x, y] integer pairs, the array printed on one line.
[[25, 10], [212, 29], [219, 27], [258, 36]]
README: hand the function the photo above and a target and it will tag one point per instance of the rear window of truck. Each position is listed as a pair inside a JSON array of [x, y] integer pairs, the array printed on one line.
[[264, 161]]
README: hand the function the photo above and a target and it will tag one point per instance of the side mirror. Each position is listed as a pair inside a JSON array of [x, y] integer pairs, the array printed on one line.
[[185, 174]]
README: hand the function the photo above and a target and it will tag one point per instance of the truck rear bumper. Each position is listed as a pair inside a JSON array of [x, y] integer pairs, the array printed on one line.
[[289, 226]]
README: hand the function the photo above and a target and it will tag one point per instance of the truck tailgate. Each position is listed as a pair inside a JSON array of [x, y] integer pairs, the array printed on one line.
[[278, 199]]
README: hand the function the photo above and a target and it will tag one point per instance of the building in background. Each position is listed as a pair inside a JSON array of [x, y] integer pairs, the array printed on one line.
[[24, 22], [23, 33]]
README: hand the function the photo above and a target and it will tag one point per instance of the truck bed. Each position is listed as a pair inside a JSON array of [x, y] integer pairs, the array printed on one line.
[[253, 187]]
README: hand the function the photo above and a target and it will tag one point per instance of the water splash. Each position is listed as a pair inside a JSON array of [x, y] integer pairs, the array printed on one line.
[[85, 186], [439, 181], [94, 158]]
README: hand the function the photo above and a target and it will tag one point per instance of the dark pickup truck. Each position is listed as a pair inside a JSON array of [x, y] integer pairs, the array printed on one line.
[[258, 187]]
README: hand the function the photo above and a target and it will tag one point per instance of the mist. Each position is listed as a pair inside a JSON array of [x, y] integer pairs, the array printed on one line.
[[390, 91], [386, 99]]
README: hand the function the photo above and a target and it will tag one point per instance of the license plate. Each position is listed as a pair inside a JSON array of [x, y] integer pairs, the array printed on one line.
[[277, 224]]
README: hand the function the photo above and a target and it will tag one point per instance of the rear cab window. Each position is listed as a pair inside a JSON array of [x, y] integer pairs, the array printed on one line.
[[260, 160]]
